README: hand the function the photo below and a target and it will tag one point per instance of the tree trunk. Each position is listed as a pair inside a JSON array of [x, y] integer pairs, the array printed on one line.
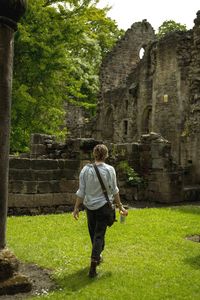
[[6, 61]]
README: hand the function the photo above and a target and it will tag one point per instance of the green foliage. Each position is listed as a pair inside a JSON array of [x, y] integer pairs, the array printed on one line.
[[132, 177], [148, 257], [58, 51], [169, 26]]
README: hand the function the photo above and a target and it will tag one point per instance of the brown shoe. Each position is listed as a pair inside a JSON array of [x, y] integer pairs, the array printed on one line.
[[93, 272]]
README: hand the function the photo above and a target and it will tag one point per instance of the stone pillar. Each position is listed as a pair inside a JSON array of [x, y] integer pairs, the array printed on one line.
[[11, 281], [164, 176], [10, 13]]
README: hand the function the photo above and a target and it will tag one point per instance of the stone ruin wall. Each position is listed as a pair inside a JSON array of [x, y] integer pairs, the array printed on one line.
[[46, 180], [159, 93], [119, 63], [116, 106], [38, 185]]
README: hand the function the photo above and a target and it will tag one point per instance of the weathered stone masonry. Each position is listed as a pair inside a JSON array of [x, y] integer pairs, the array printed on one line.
[[159, 93], [42, 185], [45, 181]]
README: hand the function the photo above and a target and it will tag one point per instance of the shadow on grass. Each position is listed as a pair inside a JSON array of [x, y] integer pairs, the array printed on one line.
[[78, 280], [193, 261]]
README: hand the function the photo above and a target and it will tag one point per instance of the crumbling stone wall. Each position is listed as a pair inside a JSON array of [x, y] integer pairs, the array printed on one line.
[[191, 134], [159, 93], [77, 118], [42, 185], [117, 107], [45, 181]]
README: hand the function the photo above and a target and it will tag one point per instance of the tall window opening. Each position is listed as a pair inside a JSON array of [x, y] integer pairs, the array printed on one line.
[[125, 127]]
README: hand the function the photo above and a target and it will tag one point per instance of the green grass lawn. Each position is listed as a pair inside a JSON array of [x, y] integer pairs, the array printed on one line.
[[148, 257]]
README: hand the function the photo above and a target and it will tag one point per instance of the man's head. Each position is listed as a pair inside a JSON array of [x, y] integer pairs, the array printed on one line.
[[100, 152]]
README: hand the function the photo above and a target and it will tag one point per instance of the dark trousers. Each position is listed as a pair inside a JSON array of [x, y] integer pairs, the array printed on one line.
[[97, 224]]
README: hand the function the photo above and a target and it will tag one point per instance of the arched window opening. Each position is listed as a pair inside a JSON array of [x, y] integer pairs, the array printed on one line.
[[141, 53]]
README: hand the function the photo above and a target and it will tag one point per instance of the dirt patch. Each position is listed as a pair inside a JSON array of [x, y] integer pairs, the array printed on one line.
[[194, 238], [41, 280]]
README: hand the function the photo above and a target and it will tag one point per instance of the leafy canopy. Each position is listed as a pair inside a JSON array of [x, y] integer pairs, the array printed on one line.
[[58, 51]]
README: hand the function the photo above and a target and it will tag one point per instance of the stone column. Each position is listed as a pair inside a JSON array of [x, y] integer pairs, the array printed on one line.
[[10, 13]]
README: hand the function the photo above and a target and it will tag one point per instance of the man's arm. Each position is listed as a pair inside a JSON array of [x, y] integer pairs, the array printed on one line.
[[78, 202]]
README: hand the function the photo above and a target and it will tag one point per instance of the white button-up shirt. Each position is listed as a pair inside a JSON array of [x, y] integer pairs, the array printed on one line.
[[90, 188]]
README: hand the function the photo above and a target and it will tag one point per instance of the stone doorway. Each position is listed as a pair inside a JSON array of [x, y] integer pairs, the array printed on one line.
[[147, 120]]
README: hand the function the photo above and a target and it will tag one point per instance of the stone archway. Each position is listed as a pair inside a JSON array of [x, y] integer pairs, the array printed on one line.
[[147, 120]]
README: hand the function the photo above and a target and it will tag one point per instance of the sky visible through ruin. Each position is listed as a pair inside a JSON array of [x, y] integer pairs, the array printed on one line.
[[127, 12]]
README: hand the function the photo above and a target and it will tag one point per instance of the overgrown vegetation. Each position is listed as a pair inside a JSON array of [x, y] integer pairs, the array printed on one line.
[[132, 177], [169, 26], [148, 257]]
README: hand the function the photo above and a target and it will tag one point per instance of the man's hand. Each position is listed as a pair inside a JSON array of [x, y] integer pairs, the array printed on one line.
[[75, 213], [123, 211]]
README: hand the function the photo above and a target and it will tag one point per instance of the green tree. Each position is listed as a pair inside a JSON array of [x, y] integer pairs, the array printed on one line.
[[58, 51], [169, 26]]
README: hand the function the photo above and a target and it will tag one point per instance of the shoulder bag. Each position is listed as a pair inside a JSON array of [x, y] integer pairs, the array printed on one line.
[[112, 213]]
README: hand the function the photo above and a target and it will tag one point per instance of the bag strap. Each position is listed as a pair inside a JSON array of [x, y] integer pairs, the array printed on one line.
[[102, 184]]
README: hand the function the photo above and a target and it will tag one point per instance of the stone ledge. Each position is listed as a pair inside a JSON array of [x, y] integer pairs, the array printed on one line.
[[35, 200]]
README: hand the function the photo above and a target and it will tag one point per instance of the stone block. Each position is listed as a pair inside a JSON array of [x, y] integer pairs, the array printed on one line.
[[38, 138], [37, 150], [20, 174], [64, 198], [45, 175], [44, 187], [38, 200], [70, 164], [70, 174], [44, 164], [29, 200], [70, 186], [158, 164], [19, 163], [30, 187], [15, 186]]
